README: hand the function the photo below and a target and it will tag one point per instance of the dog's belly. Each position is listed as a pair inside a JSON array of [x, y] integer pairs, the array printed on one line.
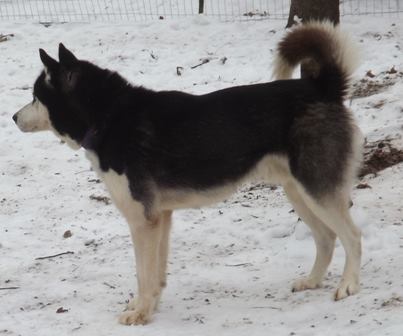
[[271, 169], [171, 199]]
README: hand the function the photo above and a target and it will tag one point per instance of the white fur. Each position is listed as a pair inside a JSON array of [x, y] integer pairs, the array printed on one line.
[[150, 239], [33, 117], [47, 76]]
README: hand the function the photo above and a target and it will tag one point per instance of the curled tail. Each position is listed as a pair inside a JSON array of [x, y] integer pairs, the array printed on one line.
[[329, 51]]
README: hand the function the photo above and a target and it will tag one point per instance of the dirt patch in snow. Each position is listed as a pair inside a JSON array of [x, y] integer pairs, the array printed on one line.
[[5, 37], [373, 84], [380, 155]]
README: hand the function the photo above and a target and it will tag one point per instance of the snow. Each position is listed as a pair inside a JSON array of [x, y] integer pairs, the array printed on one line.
[[140, 10], [231, 265]]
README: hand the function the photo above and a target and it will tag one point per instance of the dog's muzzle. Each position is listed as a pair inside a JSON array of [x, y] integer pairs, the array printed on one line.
[[33, 117]]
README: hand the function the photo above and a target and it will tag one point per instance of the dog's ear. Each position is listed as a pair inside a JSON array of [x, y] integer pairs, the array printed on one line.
[[68, 72], [50, 64], [66, 57]]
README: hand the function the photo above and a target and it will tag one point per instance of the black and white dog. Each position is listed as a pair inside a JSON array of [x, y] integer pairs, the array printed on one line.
[[161, 151]]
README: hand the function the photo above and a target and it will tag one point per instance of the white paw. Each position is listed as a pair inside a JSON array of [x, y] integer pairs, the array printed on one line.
[[135, 317], [305, 283], [132, 304], [346, 288]]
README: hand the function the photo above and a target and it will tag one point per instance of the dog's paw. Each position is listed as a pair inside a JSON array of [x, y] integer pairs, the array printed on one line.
[[132, 304], [305, 283], [134, 317], [346, 288]]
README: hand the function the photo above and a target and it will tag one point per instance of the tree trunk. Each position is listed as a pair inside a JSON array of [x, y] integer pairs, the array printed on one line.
[[314, 10], [201, 6]]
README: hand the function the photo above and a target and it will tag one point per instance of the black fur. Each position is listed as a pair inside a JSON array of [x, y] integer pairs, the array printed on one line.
[[171, 139], [320, 146]]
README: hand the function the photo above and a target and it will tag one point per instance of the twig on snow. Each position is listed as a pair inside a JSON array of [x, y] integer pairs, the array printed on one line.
[[203, 61], [179, 70], [267, 307], [5, 37], [236, 265], [110, 286], [55, 255], [103, 199]]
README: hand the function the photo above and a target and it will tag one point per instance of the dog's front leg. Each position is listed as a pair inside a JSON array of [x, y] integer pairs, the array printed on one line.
[[146, 237], [164, 246]]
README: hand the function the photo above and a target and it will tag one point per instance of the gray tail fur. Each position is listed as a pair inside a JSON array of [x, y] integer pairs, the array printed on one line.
[[327, 48]]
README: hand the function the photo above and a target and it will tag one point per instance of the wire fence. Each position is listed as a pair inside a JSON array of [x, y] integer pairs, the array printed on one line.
[[57, 11]]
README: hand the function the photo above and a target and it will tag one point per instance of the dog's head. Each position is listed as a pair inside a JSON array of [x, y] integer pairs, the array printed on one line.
[[66, 97]]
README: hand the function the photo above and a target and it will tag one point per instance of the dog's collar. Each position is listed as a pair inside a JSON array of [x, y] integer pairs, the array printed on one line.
[[90, 138]]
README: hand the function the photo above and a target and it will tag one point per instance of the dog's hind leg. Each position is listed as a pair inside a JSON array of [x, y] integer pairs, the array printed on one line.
[[334, 212], [323, 236], [146, 237]]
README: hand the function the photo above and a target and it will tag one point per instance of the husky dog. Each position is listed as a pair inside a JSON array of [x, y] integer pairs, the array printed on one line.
[[161, 151]]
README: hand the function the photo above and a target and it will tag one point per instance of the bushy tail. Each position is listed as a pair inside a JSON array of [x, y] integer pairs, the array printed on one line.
[[327, 48]]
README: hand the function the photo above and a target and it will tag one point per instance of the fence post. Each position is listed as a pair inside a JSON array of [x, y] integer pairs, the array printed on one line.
[[201, 6]]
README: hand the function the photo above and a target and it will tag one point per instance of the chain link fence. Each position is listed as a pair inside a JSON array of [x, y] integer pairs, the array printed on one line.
[[57, 11]]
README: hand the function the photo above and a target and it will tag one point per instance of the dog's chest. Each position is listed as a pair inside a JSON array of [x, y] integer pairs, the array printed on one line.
[[117, 185]]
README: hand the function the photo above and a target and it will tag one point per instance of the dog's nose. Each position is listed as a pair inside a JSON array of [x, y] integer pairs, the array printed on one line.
[[15, 117]]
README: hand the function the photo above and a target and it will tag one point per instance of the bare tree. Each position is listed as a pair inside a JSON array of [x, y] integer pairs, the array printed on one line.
[[314, 10], [201, 6]]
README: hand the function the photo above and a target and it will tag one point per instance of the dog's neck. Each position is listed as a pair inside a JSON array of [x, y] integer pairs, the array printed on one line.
[[90, 138]]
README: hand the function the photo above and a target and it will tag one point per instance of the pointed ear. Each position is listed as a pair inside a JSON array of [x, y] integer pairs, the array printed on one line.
[[49, 63], [66, 57]]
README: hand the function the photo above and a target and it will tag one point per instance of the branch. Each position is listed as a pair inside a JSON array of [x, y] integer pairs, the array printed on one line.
[[203, 61], [55, 255], [237, 265]]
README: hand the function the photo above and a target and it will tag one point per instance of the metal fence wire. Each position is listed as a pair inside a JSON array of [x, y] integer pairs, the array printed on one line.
[[56, 11]]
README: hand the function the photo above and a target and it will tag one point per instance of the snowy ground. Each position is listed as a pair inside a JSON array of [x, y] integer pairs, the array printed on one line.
[[231, 265]]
